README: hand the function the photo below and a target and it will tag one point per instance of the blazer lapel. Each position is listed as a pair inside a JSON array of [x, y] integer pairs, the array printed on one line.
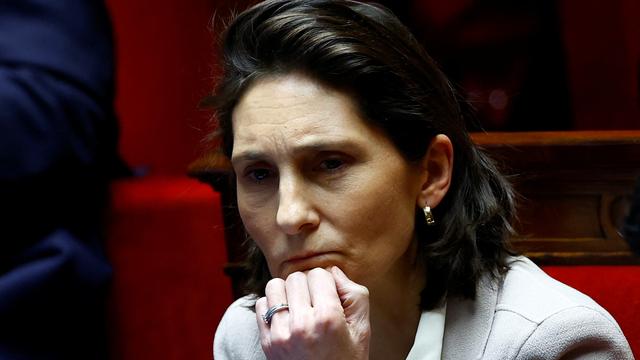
[[468, 322]]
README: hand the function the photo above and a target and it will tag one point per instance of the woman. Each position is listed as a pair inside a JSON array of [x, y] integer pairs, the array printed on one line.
[[379, 230]]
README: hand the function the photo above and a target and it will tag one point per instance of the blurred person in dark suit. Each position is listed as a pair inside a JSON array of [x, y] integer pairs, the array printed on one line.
[[58, 141]]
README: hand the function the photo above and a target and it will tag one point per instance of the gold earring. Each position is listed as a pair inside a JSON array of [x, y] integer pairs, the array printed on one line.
[[428, 216]]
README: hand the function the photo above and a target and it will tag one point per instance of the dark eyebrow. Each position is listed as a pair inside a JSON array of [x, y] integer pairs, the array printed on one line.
[[248, 156], [326, 145], [311, 147]]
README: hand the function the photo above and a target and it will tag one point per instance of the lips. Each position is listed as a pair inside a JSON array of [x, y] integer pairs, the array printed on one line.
[[309, 261]]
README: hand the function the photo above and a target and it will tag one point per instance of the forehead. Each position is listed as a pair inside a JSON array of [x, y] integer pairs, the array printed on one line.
[[294, 109]]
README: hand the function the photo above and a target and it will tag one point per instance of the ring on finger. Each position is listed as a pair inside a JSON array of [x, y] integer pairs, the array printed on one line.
[[272, 311]]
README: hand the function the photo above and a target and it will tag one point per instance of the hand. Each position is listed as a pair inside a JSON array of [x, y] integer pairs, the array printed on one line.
[[328, 317]]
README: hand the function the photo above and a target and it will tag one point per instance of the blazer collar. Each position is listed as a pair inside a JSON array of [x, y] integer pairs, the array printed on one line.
[[468, 322]]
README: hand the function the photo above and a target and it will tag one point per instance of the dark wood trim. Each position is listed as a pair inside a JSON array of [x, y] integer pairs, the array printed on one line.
[[574, 191]]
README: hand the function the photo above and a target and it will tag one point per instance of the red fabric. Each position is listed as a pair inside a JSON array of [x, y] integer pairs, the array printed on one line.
[[616, 288], [602, 57], [167, 248], [165, 55]]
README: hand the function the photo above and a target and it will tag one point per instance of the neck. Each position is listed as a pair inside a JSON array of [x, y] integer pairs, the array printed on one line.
[[395, 309]]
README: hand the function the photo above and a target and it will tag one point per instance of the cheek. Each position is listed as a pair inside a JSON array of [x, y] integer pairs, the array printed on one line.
[[390, 197], [257, 222], [381, 213], [379, 236], [258, 225]]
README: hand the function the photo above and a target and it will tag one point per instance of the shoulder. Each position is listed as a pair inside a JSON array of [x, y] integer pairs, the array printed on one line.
[[237, 336], [530, 292], [539, 317]]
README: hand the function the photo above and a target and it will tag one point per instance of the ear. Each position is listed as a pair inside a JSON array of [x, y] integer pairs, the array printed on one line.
[[437, 167]]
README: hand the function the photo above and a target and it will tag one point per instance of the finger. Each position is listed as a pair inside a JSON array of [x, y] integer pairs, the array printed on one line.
[[265, 333], [297, 291], [276, 294], [301, 312], [322, 290]]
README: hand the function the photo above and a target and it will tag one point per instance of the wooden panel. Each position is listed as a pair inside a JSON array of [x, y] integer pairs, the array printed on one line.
[[574, 192]]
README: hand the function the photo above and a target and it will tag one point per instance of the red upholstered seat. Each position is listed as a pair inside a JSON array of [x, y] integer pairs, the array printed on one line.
[[166, 239], [616, 288], [166, 244]]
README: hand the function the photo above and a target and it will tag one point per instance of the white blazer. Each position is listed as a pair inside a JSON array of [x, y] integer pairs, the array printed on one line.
[[526, 315]]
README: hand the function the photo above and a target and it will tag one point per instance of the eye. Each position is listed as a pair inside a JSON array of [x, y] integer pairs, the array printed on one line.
[[331, 164], [257, 174]]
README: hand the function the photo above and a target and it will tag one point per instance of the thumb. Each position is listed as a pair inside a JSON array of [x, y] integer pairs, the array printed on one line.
[[354, 297], [355, 302]]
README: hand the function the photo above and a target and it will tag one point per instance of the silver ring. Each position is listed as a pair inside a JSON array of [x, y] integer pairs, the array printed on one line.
[[272, 311]]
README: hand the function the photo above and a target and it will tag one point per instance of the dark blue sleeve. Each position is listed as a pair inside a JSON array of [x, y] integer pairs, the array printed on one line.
[[69, 37], [58, 131], [56, 86], [58, 151]]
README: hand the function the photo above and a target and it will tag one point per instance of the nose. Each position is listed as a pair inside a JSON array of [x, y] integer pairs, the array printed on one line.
[[295, 210]]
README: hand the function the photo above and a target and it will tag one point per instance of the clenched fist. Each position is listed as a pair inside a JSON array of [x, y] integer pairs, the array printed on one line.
[[327, 318]]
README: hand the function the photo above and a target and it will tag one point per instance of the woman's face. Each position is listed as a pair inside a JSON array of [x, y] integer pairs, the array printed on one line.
[[317, 186]]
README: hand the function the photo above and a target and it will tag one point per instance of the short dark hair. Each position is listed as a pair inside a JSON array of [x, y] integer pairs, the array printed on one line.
[[364, 50]]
